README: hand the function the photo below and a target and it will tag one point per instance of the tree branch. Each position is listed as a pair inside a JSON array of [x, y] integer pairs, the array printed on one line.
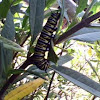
[[77, 27]]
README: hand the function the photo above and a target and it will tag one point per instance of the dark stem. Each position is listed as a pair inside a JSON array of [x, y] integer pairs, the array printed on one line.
[[50, 86], [77, 27]]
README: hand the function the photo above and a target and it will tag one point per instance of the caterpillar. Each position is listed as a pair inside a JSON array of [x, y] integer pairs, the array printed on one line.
[[43, 42]]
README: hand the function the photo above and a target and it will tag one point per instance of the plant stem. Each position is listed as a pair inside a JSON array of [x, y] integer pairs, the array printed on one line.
[[77, 27], [49, 86]]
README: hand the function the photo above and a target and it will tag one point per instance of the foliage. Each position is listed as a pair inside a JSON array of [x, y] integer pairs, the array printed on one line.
[[78, 54], [24, 90]]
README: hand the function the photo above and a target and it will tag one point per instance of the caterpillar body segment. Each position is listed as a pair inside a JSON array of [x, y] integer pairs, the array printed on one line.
[[43, 42]]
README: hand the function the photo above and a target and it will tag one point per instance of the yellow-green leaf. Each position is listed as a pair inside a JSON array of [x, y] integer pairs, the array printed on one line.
[[90, 51], [24, 90]]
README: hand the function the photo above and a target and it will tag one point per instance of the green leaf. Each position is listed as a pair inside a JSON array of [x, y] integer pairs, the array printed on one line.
[[26, 17], [82, 5], [88, 37], [25, 21], [64, 59], [31, 71], [88, 9], [8, 44], [15, 71], [96, 7], [70, 51], [36, 16], [15, 2], [4, 7], [52, 55], [8, 32], [87, 34], [9, 29], [16, 8], [49, 3], [79, 79], [36, 74], [85, 31]]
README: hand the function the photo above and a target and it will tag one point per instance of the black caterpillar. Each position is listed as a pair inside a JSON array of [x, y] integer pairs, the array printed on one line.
[[43, 42]]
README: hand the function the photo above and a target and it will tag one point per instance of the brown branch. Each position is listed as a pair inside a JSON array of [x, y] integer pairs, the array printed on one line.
[[77, 27]]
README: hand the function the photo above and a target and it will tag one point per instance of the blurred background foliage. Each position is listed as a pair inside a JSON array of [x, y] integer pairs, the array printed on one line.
[[20, 24]]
